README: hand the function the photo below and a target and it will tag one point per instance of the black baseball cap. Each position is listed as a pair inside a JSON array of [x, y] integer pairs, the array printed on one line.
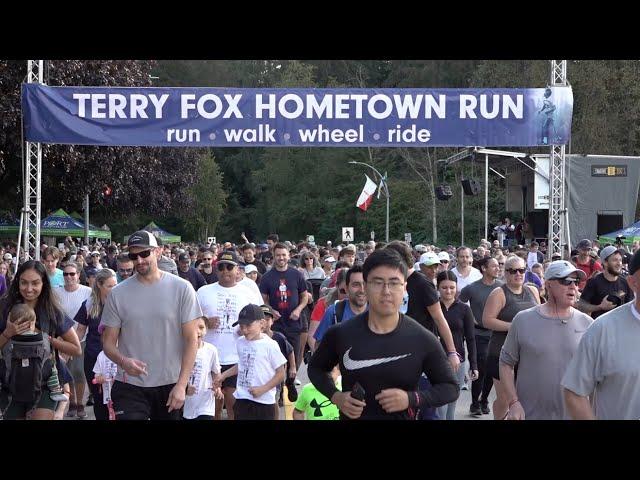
[[266, 310], [249, 314], [184, 257], [228, 256], [142, 238]]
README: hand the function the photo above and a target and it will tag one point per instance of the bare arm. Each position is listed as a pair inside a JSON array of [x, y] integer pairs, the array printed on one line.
[[190, 339], [298, 415], [265, 298], [535, 292], [578, 406], [588, 308], [68, 343], [507, 380], [109, 342], [495, 303]]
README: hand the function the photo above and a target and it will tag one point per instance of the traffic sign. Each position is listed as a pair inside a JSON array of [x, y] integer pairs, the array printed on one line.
[[407, 237], [347, 234]]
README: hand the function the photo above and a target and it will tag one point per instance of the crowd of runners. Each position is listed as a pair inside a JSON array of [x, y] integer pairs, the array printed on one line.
[[387, 331]]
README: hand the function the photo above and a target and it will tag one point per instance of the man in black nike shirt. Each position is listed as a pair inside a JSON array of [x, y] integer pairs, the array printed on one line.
[[383, 350]]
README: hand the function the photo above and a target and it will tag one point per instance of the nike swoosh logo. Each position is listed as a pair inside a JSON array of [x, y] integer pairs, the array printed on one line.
[[351, 364]]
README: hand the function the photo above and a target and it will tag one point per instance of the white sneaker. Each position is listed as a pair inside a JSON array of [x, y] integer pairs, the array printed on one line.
[[297, 382], [59, 397]]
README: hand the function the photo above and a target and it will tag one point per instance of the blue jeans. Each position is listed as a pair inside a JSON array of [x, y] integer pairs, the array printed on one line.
[[448, 411]]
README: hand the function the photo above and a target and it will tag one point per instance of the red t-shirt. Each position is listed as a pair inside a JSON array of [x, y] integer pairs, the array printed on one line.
[[318, 310], [592, 266]]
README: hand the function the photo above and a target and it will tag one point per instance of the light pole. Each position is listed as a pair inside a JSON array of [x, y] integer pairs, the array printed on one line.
[[383, 180]]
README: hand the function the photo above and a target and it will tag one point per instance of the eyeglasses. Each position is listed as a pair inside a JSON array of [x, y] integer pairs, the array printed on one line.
[[394, 286], [125, 270], [143, 254], [513, 271], [221, 267], [69, 274], [568, 281]]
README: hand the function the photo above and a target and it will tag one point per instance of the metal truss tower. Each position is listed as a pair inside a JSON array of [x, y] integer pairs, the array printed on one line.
[[30, 221], [558, 220]]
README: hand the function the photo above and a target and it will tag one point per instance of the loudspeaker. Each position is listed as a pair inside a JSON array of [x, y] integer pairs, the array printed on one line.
[[471, 186], [539, 222], [609, 222], [443, 192]]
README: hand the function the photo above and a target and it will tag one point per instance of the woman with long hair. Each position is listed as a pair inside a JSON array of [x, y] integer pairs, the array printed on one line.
[[31, 286], [461, 323], [310, 267], [89, 317], [502, 305], [5, 270]]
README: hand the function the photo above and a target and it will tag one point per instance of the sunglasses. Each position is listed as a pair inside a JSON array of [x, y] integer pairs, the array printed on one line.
[[221, 267], [513, 271], [568, 281], [69, 274], [125, 270], [143, 254]]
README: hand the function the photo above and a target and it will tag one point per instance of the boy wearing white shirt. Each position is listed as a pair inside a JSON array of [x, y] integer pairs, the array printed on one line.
[[261, 367], [200, 403]]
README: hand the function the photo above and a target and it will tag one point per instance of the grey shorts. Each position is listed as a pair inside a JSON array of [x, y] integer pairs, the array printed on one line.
[[76, 366]]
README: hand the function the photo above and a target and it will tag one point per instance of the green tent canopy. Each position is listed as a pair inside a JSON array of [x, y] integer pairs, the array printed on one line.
[[163, 235], [59, 224]]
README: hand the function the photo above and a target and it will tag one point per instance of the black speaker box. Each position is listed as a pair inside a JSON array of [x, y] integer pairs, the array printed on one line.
[[610, 222], [443, 192], [471, 186]]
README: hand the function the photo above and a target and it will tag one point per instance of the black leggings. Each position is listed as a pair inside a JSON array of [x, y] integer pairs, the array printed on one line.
[[484, 383], [100, 410]]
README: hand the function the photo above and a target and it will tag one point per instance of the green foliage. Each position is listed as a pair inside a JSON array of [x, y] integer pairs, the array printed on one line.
[[209, 200]]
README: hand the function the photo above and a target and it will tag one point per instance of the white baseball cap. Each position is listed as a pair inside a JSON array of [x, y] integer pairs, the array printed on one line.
[[562, 269], [250, 268], [428, 259], [444, 256]]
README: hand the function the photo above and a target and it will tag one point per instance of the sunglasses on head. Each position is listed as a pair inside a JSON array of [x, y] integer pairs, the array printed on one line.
[[143, 254], [513, 271], [228, 266], [566, 281]]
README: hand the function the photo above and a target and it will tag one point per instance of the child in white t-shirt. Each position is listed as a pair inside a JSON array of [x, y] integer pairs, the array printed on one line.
[[260, 368], [105, 374], [202, 391]]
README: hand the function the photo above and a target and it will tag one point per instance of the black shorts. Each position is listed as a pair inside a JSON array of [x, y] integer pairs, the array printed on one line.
[[131, 402], [231, 381], [249, 410], [493, 367]]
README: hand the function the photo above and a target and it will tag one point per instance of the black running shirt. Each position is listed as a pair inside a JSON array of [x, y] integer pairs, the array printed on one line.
[[380, 361]]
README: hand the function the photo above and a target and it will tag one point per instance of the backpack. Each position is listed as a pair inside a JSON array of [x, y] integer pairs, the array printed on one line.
[[26, 366], [338, 311]]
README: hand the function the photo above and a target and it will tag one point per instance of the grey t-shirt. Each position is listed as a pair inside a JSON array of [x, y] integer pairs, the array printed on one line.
[[476, 294], [542, 346], [150, 319], [606, 363], [167, 264]]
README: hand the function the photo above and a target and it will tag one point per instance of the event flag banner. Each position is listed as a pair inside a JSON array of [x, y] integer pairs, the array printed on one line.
[[366, 197], [235, 117]]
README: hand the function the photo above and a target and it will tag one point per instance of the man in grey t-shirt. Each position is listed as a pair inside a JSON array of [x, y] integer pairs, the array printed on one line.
[[606, 363], [541, 342], [151, 335]]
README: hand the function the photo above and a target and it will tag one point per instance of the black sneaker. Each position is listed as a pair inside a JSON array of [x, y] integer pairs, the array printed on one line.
[[292, 392], [90, 400], [484, 407], [474, 409]]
